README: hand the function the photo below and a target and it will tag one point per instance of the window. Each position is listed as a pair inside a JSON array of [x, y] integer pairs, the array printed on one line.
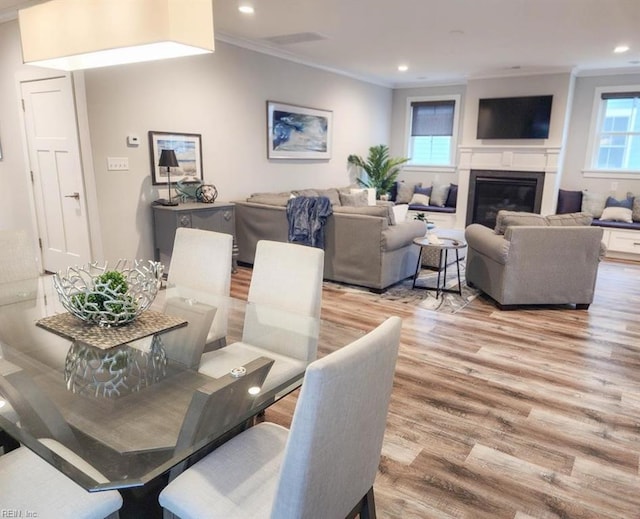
[[617, 138], [433, 126]]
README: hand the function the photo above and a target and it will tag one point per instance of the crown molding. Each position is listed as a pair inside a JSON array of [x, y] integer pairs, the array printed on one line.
[[264, 48]]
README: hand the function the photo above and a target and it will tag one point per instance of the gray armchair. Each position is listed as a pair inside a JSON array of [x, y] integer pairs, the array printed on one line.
[[533, 265]]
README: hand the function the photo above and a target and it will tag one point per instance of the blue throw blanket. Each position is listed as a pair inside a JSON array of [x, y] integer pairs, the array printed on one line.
[[306, 216]]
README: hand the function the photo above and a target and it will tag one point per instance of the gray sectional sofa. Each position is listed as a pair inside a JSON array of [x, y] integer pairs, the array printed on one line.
[[363, 244]]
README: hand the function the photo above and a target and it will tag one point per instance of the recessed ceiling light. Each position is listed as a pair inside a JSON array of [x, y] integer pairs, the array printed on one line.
[[246, 9], [621, 48], [403, 68]]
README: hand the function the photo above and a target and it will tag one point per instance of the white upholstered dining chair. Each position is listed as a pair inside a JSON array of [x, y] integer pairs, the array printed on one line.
[[201, 269], [30, 484], [282, 317], [324, 467]]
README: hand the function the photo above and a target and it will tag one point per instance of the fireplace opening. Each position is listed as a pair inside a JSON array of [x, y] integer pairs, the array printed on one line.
[[491, 191]]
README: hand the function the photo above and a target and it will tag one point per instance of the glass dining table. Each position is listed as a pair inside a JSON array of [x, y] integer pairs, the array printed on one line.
[[164, 413]]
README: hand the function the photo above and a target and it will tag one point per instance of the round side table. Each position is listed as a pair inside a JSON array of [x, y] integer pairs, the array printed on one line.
[[444, 246]]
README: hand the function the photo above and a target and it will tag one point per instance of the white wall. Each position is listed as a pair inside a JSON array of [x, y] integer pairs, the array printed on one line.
[[222, 97], [578, 137], [15, 203]]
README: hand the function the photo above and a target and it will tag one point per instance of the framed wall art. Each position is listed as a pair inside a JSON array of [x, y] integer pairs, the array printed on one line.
[[298, 132], [188, 150]]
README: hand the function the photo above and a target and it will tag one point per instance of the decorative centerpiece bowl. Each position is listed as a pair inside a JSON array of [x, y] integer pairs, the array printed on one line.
[[109, 296]]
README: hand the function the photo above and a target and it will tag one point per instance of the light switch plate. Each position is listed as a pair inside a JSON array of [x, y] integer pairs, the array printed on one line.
[[117, 163]]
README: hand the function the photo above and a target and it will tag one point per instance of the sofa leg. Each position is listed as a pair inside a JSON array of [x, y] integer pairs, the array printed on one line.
[[582, 306], [506, 307]]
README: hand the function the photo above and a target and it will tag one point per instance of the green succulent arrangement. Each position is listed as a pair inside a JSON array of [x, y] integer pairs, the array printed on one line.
[[109, 294], [381, 169]]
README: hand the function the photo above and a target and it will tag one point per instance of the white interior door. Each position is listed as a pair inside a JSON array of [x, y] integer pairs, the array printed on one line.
[[58, 187]]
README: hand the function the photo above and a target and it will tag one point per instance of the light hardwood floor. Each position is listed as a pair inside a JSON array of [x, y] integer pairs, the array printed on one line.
[[517, 414]]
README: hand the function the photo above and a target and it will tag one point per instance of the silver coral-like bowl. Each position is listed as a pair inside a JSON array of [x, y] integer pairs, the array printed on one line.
[[83, 295]]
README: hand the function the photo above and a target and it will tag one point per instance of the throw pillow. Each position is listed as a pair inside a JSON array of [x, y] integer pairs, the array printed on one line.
[[569, 201], [515, 218], [405, 191], [439, 194], [305, 192], [613, 202], [358, 199], [391, 214], [393, 193], [331, 193], [370, 191], [419, 199], [593, 203], [452, 198], [616, 214], [635, 212], [570, 219], [422, 190]]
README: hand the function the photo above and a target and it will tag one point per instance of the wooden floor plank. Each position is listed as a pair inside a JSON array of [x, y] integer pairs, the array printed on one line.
[[529, 413]]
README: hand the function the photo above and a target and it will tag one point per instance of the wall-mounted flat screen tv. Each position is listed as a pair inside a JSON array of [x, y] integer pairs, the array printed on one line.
[[514, 117]]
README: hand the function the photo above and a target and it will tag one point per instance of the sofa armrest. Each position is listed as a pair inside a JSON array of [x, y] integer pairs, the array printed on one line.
[[487, 242], [402, 234]]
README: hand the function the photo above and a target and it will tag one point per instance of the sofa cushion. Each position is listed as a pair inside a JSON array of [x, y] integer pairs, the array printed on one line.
[[405, 191], [357, 199], [506, 219], [331, 193], [431, 208], [569, 201], [616, 225], [305, 192], [366, 210], [439, 194], [452, 197], [593, 203], [616, 214], [419, 199], [574, 219], [279, 199]]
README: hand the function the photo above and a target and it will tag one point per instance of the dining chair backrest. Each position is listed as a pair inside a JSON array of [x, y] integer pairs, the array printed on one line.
[[285, 296], [201, 260], [334, 445], [201, 269], [287, 276]]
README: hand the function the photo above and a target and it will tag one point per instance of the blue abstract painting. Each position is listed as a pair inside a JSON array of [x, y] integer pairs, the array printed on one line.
[[298, 132]]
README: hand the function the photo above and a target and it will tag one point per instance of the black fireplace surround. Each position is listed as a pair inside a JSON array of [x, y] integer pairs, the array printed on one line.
[[490, 191]]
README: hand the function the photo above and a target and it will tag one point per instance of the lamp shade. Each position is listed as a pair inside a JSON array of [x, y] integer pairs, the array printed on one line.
[[168, 159], [81, 34]]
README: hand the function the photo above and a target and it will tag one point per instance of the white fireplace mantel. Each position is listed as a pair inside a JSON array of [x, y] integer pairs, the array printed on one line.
[[508, 158]]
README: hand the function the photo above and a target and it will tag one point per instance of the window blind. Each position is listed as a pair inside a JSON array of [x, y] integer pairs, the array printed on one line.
[[619, 95], [432, 118]]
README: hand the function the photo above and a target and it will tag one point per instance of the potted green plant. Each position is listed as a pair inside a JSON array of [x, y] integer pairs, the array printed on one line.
[[382, 170]]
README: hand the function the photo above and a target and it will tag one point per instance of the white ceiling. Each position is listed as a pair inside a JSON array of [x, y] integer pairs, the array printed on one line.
[[442, 41]]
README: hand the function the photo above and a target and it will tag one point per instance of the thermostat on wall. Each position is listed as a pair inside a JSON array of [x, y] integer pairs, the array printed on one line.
[[133, 140]]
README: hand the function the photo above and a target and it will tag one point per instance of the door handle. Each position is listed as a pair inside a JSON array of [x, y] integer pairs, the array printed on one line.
[[74, 195]]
